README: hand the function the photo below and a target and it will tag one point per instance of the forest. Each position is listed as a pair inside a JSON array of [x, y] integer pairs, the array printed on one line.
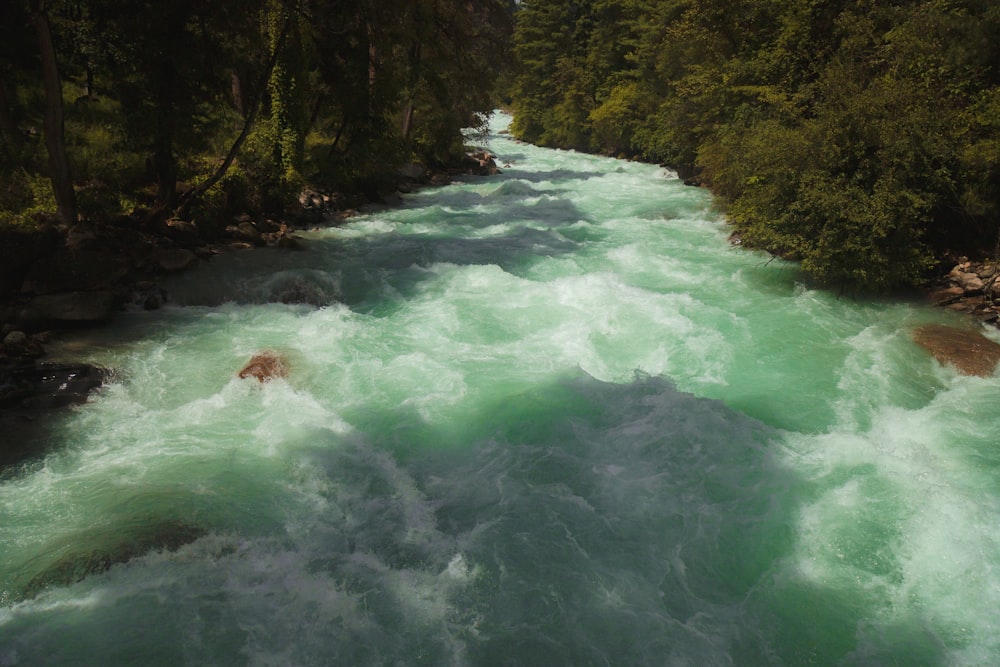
[[860, 137], [145, 109]]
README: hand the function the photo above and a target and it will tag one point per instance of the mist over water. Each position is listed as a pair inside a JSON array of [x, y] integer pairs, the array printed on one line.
[[546, 418]]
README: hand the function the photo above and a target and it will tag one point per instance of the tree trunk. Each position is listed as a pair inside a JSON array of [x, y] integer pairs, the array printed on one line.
[[53, 126], [415, 52], [10, 138], [189, 197], [237, 84], [372, 70]]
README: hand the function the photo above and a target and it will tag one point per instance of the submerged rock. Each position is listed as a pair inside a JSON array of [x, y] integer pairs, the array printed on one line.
[[265, 366], [970, 352], [74, 564]]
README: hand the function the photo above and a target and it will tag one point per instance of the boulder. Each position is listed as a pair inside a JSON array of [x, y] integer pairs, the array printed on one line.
[[69, 270], [265, 366], [183, 232], [971, 283], [69, 308], [15, 339], [97, 549], [970, 352], [248, 232], [413, 171], [174, 260], [44, 386], [946, 296]]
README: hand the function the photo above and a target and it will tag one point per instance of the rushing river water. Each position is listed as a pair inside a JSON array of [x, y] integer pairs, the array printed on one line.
[[546, 418]]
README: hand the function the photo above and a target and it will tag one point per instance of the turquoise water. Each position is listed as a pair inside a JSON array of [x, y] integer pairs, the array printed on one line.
[[546, 418]]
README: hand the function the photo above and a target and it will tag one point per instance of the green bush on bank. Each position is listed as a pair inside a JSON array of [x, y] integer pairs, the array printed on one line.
[[860, 138]]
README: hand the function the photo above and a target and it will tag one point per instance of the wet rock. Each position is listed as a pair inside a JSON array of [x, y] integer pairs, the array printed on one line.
[[945, 296], [95, 551], [44, 386], [970, 352], [265, 366], [69, 308], [289, 242]]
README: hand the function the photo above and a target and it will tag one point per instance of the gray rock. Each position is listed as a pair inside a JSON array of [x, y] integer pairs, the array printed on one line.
[[413, 171], [69, 308], [173, 260]]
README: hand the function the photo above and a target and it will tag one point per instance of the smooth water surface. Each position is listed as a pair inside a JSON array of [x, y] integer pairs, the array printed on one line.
[[550, 417]]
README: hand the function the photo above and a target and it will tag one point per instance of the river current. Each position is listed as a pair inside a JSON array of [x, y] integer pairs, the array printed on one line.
[[551, 417]]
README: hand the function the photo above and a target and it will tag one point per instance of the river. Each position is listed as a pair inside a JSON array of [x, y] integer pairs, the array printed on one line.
[[551, 417]]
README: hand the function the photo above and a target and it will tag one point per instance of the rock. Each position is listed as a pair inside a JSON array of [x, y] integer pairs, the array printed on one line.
[[18, 251], [945, 296], [250, 232], [970, 352], [286, 242], [183, 232], [69, 308], [970, 282], [97, 549], [152, 302], [69, 270], [413, 171], [43, 386], [265, 366], [247, 232], [15, 339], [174, 260]]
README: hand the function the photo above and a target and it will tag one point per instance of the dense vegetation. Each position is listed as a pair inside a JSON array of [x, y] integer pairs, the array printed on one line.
[[861, 137], [205, 109]]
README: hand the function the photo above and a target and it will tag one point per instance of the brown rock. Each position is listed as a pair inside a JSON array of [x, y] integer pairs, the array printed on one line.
[[265, 366], [971, 283], [970, 352], [943, 297]]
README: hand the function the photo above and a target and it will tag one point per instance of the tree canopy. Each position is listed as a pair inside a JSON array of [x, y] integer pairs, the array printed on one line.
[[861, 137], [109, 107]]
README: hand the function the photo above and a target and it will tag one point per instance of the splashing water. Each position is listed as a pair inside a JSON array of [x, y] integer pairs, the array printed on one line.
[[545, 418]]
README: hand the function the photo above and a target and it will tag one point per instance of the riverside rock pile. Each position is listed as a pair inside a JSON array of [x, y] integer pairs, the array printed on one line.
[[971, 287]]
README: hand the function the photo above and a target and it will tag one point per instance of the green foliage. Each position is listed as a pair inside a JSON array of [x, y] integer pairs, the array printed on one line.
[[861, 138], [244, 100], [25, 198]]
